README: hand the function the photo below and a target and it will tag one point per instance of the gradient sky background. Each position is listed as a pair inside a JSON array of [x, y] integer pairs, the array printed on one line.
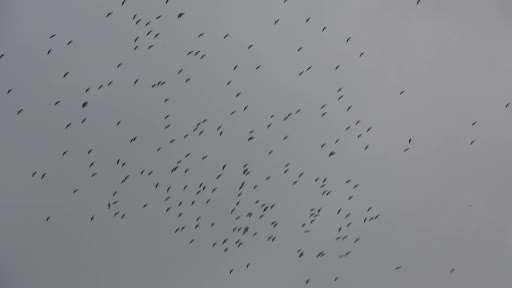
[[444, 204]]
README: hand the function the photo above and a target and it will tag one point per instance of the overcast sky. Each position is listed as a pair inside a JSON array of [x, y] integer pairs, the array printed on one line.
[[443, 204]]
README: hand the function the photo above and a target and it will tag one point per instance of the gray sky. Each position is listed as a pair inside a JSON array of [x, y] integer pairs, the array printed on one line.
[[442, 204]]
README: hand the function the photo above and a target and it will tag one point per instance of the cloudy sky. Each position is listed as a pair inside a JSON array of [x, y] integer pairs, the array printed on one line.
[[443, 199]]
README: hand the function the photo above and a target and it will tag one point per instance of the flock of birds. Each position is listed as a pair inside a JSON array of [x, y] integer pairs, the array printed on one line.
[[186, 193]]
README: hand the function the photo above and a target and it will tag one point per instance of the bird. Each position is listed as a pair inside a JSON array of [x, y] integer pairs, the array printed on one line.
[[185, 166]]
